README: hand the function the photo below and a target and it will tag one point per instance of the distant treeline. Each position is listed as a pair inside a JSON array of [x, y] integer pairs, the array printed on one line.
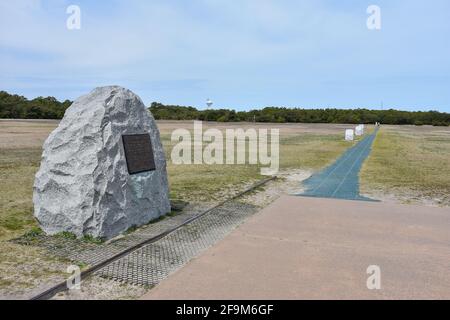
[[19, 107], [274, 114]]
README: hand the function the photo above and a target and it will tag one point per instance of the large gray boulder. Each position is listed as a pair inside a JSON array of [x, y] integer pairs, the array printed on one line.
[[83, 185]]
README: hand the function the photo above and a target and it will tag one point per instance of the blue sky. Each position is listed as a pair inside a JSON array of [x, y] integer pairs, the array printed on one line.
[[242, 54]]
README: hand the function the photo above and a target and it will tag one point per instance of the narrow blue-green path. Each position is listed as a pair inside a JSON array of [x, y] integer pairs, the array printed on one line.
[[341, 179]]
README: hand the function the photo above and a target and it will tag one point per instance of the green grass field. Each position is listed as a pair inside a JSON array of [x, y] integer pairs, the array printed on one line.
[[409, 164], [307, 147], [213, 182]]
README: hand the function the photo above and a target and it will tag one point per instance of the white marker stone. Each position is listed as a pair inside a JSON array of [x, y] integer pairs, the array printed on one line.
[[359, 130], [84, 185], [349, 135]]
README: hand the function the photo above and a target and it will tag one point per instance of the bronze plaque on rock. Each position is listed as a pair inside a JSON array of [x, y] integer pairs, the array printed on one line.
[[138, 153]]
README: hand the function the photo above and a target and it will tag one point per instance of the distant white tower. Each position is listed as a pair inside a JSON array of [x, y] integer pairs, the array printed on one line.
[[209, 103]]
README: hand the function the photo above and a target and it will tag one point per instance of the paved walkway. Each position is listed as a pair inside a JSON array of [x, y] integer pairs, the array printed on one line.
[[309, 248], [341, 179]]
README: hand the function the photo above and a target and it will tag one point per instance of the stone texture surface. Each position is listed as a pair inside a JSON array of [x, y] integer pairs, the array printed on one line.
[[83, 185]]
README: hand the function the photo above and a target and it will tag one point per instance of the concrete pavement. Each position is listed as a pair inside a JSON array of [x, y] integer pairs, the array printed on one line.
[[312, 248]]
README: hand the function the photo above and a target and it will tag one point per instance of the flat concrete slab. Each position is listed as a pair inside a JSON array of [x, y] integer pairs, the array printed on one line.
[[312, 248]]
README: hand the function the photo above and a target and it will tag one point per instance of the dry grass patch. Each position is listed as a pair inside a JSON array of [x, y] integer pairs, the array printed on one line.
[[23, 268]]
